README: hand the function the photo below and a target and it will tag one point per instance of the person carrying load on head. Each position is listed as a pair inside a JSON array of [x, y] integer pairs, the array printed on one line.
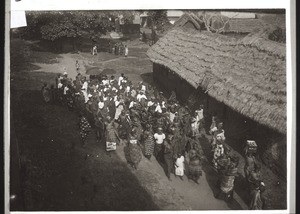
[[194, 166], [227, 178]]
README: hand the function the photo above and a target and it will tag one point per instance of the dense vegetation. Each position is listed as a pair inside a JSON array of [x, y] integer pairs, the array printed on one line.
[[59, 27]]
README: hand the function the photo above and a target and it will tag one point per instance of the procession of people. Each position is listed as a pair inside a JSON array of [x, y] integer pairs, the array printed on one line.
[[153, 126]]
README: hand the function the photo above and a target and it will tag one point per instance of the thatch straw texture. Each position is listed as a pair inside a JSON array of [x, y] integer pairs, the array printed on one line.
[[248, 76], [244, 25]]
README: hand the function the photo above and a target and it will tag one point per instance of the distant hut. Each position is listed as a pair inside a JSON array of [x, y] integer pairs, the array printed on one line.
[[244, 81], [189, 20]]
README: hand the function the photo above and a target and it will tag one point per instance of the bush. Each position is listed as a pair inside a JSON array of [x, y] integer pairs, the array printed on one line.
[[278, 35]]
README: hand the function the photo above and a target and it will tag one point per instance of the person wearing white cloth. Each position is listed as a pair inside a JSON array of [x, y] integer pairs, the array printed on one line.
[[150, 103], [59, 85], [85, 94], [85, 85], [100, 104], [126, 51], [159, 139], [127, 90], [141, 96], [120, 79], [179, 166], [132, 103], [158, 108], [119, 108]]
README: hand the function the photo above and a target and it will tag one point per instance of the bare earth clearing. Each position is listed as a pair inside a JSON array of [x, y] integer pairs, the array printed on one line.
[[61, 175]]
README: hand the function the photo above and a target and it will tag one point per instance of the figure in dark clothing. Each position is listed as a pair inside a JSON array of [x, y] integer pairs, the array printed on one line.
[[168, 156], [148, 141], [46, 93], [227, 178], [194, 166], [135, 152], [85, 129]]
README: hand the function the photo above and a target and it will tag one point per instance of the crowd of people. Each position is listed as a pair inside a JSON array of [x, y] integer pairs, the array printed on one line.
[[151, 125]]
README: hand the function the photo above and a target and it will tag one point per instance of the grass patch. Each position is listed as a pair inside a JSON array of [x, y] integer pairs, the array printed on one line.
[[23, 56]]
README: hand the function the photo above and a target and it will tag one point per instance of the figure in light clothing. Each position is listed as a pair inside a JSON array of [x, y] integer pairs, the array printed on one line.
[[179, 166], [94, 50], [159, 138], [126, 51]]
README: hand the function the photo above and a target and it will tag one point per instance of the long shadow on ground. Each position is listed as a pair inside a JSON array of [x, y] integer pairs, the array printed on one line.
[[60, 175]]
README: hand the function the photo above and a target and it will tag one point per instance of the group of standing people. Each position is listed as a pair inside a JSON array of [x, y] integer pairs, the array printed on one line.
[[226, 166], [119, 49], [139, 115], [151, 125]]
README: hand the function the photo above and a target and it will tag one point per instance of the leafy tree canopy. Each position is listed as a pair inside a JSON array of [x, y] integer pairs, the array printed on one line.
[[73, 24], [158, 19]]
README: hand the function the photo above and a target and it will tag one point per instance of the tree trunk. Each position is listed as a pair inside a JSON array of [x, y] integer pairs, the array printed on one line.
[[73, 44]]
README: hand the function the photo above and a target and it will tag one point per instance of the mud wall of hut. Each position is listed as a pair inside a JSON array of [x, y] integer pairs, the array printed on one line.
[[238, 128]]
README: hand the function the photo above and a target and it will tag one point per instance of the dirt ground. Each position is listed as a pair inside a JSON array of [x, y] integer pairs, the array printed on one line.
[[58, 174]]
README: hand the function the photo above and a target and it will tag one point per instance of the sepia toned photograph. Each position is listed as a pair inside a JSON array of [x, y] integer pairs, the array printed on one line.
[[148, 110]]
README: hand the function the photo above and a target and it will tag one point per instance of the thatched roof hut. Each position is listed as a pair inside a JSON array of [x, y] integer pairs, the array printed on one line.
[[247, 75], [188, 18]]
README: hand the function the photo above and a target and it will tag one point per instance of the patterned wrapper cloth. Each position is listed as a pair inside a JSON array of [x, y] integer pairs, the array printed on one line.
[[85, 128], [135, 153], [149, 145]]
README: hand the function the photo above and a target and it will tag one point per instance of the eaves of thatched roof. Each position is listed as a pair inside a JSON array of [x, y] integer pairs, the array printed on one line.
[[248, 75]]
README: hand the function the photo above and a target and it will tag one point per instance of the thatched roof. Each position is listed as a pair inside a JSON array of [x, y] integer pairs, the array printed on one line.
[[243, 25], [185, 18], [248, 75]]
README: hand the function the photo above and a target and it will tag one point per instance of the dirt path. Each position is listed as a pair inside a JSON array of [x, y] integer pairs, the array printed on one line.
[[194, 196], [132, 66]]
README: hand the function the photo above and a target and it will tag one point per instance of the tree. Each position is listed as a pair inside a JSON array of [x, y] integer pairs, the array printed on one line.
[[158, 22], [76, 25], [58, 26], [158, 19], [278, 35], [214, 22]]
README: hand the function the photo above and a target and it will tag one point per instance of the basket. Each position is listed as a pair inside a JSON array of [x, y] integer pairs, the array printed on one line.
[[251, 146], [111, 146]]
